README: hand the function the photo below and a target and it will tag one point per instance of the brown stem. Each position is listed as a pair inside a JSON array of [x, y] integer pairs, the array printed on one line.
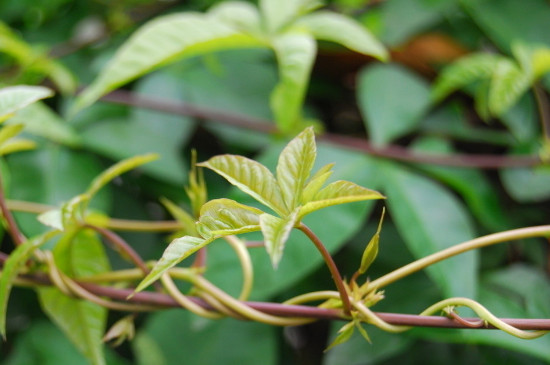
[[331, 266], [544, 110], [393, 152], [13, 229]]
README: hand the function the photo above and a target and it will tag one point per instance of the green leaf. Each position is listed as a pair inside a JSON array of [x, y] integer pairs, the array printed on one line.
[[371, 251], [276, 232], [464, 72], [316, 182], [14, 98], [13, 265], [223, 217], [540, 62], [525, 184], [177, 250], [184, 218], [116, 170], [159, 43], [251, 177], [78, 254], [338, 192], [239, 15], [52, 218], [392, 101], [333, 27], [279, 13], [16, 145], [9, 131], [295, 54], [508, 84], [295, 164], [416, 205], [343, 335]]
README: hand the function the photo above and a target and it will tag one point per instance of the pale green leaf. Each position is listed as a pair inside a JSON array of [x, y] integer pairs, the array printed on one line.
[[162, 41], [276, 231], [333, 27], [16, 145], [279, 13], [14, 263], [294, 167], [251, 177], [344, 334], [238, 15], [116, 170], [223, 217], [371, 251], [10, 131], [14, 98], [295, 54], [463, 72], [316, 182], [78, 254], [177, 250], [508, 84], [184, 218], [338, 192], [362, 331], [52, 218]]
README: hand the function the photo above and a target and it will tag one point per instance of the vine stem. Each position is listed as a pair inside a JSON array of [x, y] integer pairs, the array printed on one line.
[[331, 266], [515, 234], [13, 229]]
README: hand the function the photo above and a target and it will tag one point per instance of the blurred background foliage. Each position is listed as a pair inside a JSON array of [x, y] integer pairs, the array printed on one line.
[[65, 44]]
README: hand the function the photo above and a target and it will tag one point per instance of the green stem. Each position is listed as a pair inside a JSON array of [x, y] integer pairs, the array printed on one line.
[[521, 233], [331, 266], [246, 265]]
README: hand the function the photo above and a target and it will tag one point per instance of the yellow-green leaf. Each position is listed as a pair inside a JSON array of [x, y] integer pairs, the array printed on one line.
[[223, 217], [184, 218], [316, 182], [276, 231], [371, 251], [295, 164], [251, 177], [344, 334]]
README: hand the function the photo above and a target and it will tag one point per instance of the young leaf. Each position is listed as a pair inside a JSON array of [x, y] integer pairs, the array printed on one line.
[[118, 169], [508, 83], [251, 177], [52, 218], [333, 27], [279, 13], [316, 182], [222, 217], [295, 54], [294, 166], [10, 131], [463, 72], [238, 15], [344, 334], [371, 251], [16, 145], [184, 218], [13, 98], [11, 268], [161, 42], [276, 231], [177, 250], [338, 192]]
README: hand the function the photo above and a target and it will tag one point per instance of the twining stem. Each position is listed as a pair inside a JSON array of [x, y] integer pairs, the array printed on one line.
[[13, 229], [515, 234], [246, 265], [544, 110], [331, 266]]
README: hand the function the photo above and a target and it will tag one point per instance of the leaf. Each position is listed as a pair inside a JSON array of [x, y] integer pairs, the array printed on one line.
[[52, 218], [295, 54], [159, 43], [251, 177], [541, 61], [508, 84], [463, 72], [416, 205], [295, 164], [371, 251], [12, 266], [14, 98], [78, 254], [333, 27], [316, 182], [16, 145], [525, 184], [338, 192], [343, 335], [10, 131], [279, 13], [223, 217], [392, 101], [116, 170], [276, 231], [184, 218], [177, 250], [238, 15]]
